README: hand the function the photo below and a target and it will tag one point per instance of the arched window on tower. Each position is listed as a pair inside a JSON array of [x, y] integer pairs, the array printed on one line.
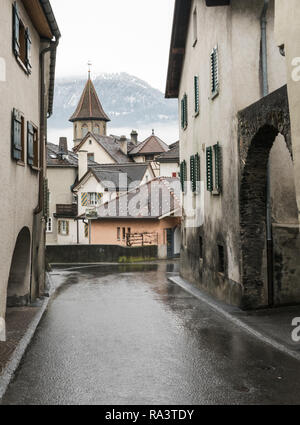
[[96, 129], [84, 130]]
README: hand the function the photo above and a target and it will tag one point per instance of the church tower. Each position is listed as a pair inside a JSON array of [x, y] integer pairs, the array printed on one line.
[[89, 115]]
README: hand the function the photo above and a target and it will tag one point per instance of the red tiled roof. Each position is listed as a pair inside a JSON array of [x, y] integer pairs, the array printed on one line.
[[152, 145], [89, 106]]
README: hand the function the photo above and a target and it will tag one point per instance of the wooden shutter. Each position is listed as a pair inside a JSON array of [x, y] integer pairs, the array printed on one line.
[[84, 199], [214, 71], [16, 135], [30, 144], [86, 230], [16, 30], [192, 173], [196, 89], [99, 196], [218, 167], [28, 50], [182, 113], [183, 175], [209, 169]]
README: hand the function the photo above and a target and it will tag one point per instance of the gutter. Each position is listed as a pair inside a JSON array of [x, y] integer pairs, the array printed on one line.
[[265, 92]]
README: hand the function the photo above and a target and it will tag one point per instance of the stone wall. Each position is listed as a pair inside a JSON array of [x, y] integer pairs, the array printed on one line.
[[70, 254]]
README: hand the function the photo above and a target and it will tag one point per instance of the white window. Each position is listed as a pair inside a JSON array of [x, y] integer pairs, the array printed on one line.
[[93, 199], [49, 225], [63, 227]]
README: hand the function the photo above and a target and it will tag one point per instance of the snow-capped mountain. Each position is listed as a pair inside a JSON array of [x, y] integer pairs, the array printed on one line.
[[127, 100]]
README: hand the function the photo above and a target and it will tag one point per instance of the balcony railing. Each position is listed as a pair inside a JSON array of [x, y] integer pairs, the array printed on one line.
[[66, 210]]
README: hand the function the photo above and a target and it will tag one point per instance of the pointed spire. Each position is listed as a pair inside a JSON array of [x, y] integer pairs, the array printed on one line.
[[89, 106]]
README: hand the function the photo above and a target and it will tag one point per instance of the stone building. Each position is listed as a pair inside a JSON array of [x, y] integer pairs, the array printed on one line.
[[237, 152], [29, 37]]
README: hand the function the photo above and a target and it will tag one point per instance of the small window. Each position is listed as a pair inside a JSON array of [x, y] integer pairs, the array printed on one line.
[[129, 230], [183, 175], [214, 69], [221, 257], [195, 27], [184, 112], [96, 129], [124, 233], [49, 224], [63, 227], [214, 169], [84, 130], [86, 230], [118, 233], [93, 199], [18, 130], [91, 156], [32, 145]]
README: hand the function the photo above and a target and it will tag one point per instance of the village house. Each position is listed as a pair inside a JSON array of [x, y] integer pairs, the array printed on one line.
[[29, 37], [238, 150], [169, 162], [149, 214]]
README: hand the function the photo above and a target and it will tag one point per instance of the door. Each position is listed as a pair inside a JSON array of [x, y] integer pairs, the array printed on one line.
[[170, 243]]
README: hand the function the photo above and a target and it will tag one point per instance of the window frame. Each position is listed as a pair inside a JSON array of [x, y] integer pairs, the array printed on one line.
[[18, 145], [34, 160], [49, 229]]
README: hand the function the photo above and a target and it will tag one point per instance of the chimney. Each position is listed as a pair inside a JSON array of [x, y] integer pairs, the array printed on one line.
[[134, 137], [82, 163], [63, 147], [123, 144]]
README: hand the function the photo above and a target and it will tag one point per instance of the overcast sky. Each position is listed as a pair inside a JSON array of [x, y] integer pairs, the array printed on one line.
[[116, 36]]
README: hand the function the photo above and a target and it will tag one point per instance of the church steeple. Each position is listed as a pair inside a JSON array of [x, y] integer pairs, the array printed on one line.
[[89, 115]]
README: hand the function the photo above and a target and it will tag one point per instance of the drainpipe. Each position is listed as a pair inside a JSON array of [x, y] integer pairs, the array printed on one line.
[[265, 92]]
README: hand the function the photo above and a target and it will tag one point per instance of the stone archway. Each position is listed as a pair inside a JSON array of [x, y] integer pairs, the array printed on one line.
[[259, 125], [18, 287]]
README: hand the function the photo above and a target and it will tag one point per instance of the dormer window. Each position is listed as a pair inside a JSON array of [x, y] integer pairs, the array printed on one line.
[[21, 41]]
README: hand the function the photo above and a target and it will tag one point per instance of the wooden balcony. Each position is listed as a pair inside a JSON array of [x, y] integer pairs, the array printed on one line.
[[66, 210]]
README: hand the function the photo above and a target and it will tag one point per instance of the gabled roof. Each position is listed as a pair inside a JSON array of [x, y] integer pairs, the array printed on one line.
[[152, 145], [110, 173], [154, 206], [171, 156], [89, 106], [109, 144]]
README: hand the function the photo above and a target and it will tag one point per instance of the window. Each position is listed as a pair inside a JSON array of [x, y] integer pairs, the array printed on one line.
[[214, 169], [129, 230], [94, 198], [49, 225], [214, 69], [221, 262], [184, 112], [200, 247], [84, 130], [63, 227], [118, 233], [124, 233], [21, 41], [96, 129], [18, 124], [196, 92], [91, 157], [183, 175], [32, 146], [195, 27]]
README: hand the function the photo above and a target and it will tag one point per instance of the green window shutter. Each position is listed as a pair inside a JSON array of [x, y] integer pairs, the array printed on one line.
[[218, 167], [185, 111], [182, 113], [28, 50], [209, 169], [84, 199], [192, 173], [67, 228], [16, 135], [183, 175], [30, 142], [197, 171], [196, 90], [16, 29], [214, 71]]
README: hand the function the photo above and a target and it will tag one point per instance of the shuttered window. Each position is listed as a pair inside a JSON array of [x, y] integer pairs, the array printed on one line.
[[16, 30], [17, 136], [197, 171], [192, 173], [21, 41], [30, 144], [196, 92], [209, 169], [84, 199], [184, 112], [63, 228], [28, 51], [218, 168], [183, 175], [86, 230], [214, 69]]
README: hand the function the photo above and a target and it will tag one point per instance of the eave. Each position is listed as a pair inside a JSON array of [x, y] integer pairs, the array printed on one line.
[[38, 18]]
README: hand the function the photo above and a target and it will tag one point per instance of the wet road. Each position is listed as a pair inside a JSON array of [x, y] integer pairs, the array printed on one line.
[[128, 336]]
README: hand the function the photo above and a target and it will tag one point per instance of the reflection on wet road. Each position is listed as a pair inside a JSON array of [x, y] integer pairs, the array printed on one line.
[[125, 335]]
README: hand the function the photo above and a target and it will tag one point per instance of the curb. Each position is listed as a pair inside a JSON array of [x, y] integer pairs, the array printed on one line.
[[227, 312], [13, 364]]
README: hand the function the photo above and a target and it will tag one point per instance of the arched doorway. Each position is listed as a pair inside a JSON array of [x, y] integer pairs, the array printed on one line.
[[18, 287], [264, 263]]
